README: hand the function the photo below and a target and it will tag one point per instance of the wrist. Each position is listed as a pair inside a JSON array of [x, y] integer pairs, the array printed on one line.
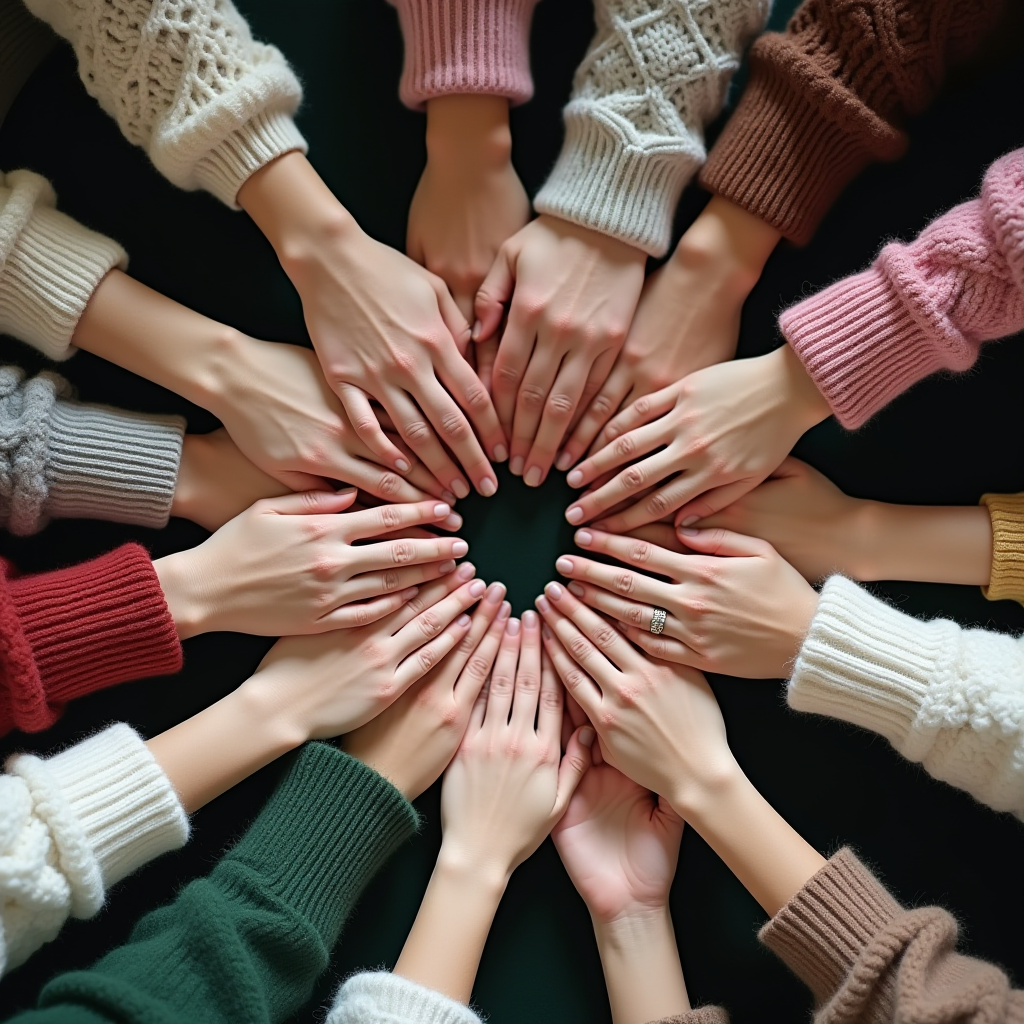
[[632, 928], [486, 877], [696, 797], [795, 392], [179, 582], [466, 134]]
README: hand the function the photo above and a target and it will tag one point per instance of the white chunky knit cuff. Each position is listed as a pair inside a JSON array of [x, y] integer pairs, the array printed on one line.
[[383, 996], [49, 265]]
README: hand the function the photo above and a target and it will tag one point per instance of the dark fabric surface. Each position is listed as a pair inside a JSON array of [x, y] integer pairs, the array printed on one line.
[[947, 441]]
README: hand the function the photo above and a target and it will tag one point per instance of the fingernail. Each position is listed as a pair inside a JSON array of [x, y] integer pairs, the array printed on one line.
[[446, 567], [512, 627], [504, 611], [533, 475], [409, 593], [477, 328], [584, 538], [467, 571], [587, 736], [345, 490], [689, 520], [554, 591], [495, 592], [576, 589], [441, 510], [575, 478], [542, 604], [563, 462], [448, 496], [401, 465], [529, 620], [476, 588], [574, 514], [461, 488], [687, 531], [500, 453], [453, 522], [516, 465], [564, 566], [462, 620], [459, 548], [488, 486], [544, 631]]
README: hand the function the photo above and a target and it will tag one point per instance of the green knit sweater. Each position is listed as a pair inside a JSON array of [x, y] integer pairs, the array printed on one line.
[[247, 942]]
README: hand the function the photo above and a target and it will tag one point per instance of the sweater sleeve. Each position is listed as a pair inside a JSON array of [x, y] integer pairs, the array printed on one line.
[[947, 697], [66, 633], [380, 997], [458, 47], [49, 265], [921, 307], [73, 825], [185, 81], [865, 958], [1007, 579], [656, 73], [245, 944], [830, 95]]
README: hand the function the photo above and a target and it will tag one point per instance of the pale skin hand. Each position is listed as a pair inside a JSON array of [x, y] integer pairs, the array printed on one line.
[[688, 316], [660, 725], [383, 327], [505, 789], [571, 294], [720, 431], [734, 605], [291, 565]]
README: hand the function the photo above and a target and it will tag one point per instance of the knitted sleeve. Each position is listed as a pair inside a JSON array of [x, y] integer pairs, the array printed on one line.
[[49, 265], [73, 825], [947, 697], [65, 460], [1007, 579], [921, 307], [702, 1015], [656, 73], [865, 958], [830, 95], [185, 81], [376, 997], [245, 944], [480, 47], [66, 633]]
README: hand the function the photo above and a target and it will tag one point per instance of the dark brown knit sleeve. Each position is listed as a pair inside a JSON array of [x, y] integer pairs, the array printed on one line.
[[865, 958], [829, 96], [702, 1015]]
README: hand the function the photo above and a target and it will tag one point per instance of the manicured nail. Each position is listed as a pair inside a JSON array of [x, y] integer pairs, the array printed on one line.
[[345, 490], [446, 567], [477, 328], [554, 591], [587, 736], [689, 520], [467, 571], [409, 593], [575, 478], [459, 548], [584, 538], [402, 466], [564, 566], [504, 611], [516, 465], [500, 453], [476, 588], [462, 620], [512, 627], [488, 486], [449, 497], [688, 531], [576, 588], [529, 620], [533, 475], [544, 631], [542, 604], [495, 592], [453, 522], [461, 488], [563, 462], [441, 510], [574, 513]]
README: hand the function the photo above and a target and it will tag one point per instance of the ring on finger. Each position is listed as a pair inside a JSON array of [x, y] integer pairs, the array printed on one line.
[[658, 617]]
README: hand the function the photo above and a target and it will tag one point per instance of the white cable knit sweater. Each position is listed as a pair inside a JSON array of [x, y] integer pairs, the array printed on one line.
[[71, 826], [947, 697], [380, 997], [184, 80], [655, 75]]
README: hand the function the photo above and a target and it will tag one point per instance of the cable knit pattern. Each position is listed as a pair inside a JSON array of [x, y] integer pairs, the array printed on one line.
[[458, 47], [656, 73], [830, 95], [49, 265], [921, 307], [1007, 579], [71, 826], [184, 80], [950, 698], [380, 997]]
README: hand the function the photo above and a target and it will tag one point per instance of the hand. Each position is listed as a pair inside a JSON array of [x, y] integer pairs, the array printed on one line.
[[383, 327], [573, 292], [716, 435], [413, 741], [291, 565], [688, 316], [469, 199], [734, 605]]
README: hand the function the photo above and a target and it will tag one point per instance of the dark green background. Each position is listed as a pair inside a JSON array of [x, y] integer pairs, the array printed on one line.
[[947, 441]]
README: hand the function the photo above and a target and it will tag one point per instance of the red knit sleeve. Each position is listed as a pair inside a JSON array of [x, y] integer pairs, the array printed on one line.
[[66, 633], [829, 96]]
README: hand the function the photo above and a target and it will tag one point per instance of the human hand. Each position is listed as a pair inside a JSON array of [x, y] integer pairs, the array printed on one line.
[[716, 435], [291, 565], [413, 741], [469, 198], [572, 293]]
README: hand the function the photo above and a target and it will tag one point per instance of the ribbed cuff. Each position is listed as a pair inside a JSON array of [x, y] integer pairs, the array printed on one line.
[[383, 996], [109, 464], [228, 166], [794, 141], [602, 182], [476, 47], [866, 663], [701, 1015], [91, 626], [331, 824], [1007, 580], [53, 265], [820, 933]]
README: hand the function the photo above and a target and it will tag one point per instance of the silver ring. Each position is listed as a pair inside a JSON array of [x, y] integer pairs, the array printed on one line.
[[658, 618]]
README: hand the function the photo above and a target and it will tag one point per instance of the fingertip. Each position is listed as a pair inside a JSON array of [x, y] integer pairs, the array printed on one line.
[[575, 478], [563, 462], [587, 736], [463, 621]]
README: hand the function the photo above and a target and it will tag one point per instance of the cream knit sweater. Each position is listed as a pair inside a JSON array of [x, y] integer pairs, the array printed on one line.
[[71, 826], [380, 997], [947, 697], [656, 74]]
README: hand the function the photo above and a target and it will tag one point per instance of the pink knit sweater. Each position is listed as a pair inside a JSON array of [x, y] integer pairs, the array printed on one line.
[[921, 307], [465, 46]]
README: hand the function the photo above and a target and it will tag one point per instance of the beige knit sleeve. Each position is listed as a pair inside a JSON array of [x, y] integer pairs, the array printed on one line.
[[1007, 580], [185, 81]]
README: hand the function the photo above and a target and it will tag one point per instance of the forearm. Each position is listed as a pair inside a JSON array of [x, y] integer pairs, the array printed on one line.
[[468, 128]]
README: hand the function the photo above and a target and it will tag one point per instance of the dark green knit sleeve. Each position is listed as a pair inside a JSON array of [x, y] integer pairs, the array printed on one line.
[[246, 943]]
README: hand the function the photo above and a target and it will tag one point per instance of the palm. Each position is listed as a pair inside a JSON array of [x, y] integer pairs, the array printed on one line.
[[618, 843]]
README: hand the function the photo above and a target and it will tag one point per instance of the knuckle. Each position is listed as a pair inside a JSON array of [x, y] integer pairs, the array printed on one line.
[[390, 580], [624, 446], [605, 636], [602, 405], [428, 624], [402, 552], [640, 552], [658, 504], [635, 616], [507, 374], [532, 396], [642, 406], [478, 667], [624, 582], [361, 615], [528, 682], [633, 477], [550, 700], [476, 397], [579, 648], [389, 485], [574, 679], [417, 433], [390, 517], [559, 406], [427, 658], [454, 426]]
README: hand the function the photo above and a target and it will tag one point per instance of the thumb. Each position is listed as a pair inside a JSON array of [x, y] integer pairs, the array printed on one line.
[[310, 503], [722, 542], [494, 292], [710, 502], [576, 760]]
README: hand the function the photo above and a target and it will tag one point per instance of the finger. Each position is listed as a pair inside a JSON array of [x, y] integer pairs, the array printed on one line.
[[452, 316], [627, 484], [596, 377], [608, 645], [579, 686], [485, 354], [424, 658], [559, 409], [309, 503], [724, 543], [476, 716], [633, 613], [514, 352], [478, 666], [296, 481], [417, 433], [468, 390], [714, 501], [381, 483], [654, 507], [633, 551], [390, 554], [480, 621], [665, 648], [551, 704], [494, 292], [642, 410], [375, 584], [615, 579], [575, 762], [430, 622], [367, 427], [362, 613], [430, 595], [530, 401], [382, 519], [598, 412], [503, 677], [527, 693]]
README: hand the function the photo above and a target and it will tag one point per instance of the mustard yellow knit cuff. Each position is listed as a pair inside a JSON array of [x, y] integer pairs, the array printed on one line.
[[1007, 581]]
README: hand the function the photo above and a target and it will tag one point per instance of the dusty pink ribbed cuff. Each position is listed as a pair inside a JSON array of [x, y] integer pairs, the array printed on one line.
[[465, 46]]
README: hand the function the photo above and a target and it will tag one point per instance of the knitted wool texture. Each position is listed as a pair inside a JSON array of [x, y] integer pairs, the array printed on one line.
[[71, 826], [184, 80], [921, 307], [656, 73], [830, 95], [1007, 579], [383, 996]]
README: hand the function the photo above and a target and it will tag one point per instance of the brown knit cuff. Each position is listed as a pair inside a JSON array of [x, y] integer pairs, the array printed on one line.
[[1007, 579], [795, 140]]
